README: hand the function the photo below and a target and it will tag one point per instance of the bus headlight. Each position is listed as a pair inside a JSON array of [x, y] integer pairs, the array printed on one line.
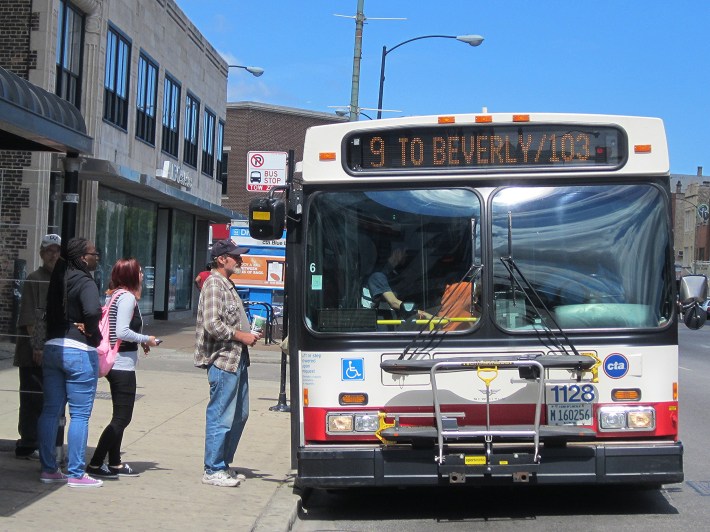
[[340, 423], [612, 420], [344, 422], [618, 418], [644, 420], [366, 422]]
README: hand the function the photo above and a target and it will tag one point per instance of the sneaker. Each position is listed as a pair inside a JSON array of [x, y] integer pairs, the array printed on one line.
[[52, 478], [34, 456], [220, 478], [233, 473], [124, 471], [85, 482], [103, 471]]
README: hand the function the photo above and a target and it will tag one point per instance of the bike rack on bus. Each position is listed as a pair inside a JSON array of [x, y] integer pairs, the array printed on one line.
[[447, 431]]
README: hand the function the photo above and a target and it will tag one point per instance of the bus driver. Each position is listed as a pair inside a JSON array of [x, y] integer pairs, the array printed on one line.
[[377, 288]]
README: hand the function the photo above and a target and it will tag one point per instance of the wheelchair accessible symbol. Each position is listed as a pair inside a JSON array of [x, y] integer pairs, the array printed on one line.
[[353, 369]]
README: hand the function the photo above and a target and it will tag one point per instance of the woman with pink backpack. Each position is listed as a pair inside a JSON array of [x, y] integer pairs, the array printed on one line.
[[125, 328]]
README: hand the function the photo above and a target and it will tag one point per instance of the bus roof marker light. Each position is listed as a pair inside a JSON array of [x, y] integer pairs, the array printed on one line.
[[326, 156], [484, 119], [642, 148], [521, 118], [447, 120]]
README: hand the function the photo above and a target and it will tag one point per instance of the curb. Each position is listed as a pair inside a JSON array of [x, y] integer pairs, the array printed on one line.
[[282, 509]]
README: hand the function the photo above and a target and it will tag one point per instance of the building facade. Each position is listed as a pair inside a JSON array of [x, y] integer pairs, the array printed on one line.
[[691, 223], [152, 92]]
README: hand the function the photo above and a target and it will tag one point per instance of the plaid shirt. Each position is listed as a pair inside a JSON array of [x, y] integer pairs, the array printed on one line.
[[220, 313]]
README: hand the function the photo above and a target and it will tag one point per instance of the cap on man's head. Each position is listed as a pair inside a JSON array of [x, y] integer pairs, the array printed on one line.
[[50, 240], [227, 247]]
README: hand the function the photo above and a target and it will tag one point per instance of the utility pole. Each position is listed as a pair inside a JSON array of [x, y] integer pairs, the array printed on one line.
[[355, 87]]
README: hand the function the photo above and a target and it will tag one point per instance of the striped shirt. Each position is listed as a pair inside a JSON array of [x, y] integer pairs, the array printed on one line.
[[126, 323], [220, 313]]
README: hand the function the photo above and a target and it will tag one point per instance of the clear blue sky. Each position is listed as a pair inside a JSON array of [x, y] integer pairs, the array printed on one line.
[[635, 57]]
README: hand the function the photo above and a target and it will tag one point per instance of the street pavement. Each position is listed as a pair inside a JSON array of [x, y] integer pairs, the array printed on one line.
[[165, 443]]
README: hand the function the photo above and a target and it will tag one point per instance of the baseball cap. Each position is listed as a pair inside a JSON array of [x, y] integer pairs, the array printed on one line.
[[50, 240], [226, 247]]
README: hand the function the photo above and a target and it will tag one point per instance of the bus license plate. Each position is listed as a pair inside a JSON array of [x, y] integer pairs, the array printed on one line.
[[569, 414]]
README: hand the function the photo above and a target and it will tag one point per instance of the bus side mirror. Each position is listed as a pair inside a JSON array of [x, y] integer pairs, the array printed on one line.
[[693, 291], [693, 288], [694, 316], [266, 218]]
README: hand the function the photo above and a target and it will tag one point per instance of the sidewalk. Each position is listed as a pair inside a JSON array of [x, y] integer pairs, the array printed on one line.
[[165, 442]]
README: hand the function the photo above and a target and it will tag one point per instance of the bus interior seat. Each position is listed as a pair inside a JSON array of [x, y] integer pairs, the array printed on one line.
[[604, 315]]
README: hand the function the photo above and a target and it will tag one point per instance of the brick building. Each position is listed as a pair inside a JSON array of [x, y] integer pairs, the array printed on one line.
[[152, 94], [260, 127], [255, 126]]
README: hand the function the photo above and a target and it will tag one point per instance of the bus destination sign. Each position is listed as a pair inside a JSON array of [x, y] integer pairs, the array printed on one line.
[[480, 147]]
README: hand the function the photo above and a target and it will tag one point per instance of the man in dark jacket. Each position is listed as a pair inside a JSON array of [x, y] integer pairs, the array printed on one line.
[[27, 359]]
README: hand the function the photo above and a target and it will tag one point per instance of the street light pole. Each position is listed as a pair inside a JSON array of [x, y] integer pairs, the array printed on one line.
[[473, 40], [382, 82], [357, 56]]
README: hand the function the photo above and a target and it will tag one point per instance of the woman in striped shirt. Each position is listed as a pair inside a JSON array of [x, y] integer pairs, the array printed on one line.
[[126, 324]]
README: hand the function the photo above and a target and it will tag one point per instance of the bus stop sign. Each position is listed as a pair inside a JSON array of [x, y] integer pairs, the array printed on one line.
[[266, 169]]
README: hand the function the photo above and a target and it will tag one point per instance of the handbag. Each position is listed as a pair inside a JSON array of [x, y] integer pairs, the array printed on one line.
[[107, 352]]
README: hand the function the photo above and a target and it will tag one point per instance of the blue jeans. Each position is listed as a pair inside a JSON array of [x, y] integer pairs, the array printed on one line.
[[70, 375], [227, 413]]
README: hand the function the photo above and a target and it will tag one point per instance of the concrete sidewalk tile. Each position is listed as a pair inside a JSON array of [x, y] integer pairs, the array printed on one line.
[[165, 443]]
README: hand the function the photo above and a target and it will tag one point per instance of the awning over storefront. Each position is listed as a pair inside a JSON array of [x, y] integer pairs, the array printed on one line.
[[153, 189], [33, 119]]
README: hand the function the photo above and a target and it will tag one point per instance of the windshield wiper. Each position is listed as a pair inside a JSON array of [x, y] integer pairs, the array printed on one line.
[[528, 289], [469, 277]]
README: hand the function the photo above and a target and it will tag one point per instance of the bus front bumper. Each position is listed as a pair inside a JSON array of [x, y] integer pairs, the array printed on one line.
[[648, 463]]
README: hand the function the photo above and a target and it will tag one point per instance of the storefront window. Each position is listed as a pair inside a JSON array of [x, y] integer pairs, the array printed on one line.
[[181, 261], [126, 227]]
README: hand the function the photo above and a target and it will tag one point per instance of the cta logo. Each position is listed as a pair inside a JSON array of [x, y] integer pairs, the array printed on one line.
[[616, 365]]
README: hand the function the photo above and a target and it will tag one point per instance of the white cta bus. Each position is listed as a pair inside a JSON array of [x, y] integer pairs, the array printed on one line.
[[482, 299]]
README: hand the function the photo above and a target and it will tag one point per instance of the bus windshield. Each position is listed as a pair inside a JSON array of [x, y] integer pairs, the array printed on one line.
[[393, 260], [598, 256], [593, 257]]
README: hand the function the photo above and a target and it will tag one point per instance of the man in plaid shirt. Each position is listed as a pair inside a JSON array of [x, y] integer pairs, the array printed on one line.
[[222, 336]]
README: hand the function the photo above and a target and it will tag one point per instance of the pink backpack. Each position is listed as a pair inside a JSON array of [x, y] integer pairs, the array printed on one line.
[[106, 351]]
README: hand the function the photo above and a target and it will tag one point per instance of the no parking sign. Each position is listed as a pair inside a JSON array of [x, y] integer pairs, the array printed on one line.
[[266, 169]]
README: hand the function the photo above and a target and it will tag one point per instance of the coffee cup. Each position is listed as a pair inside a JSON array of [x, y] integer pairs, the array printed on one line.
[[257, 324]]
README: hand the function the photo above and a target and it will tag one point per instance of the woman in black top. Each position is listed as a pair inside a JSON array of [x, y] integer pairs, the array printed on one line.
[[70, 363]]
